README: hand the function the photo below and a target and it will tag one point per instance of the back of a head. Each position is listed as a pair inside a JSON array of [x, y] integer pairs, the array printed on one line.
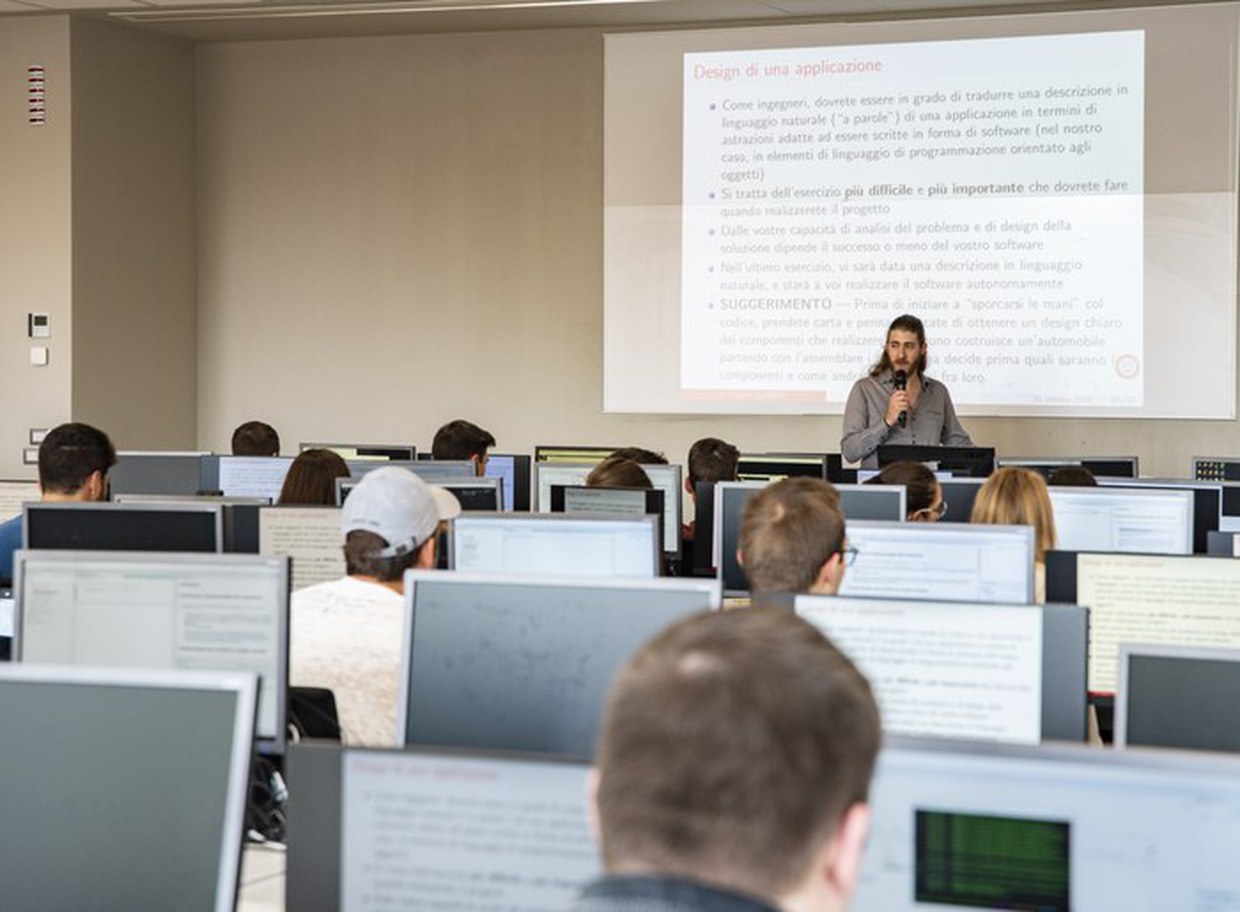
[[1014, 496], [789, 530], [461, 439], [389, 519], [711, 460], [255, 438], [1074, 476], [640, 455], [311, 479], [764, 736], [70, 454], [618, 472], [915, 478]]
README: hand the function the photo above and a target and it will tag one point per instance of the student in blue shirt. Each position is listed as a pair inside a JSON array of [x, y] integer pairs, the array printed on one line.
[[74, 460]]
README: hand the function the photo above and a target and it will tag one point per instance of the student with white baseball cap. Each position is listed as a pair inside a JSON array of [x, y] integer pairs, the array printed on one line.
[[346, 635]]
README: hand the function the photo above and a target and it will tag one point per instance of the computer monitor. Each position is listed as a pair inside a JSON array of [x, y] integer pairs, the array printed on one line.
[[381, 452], [987, 672], [960, 825], [476, 493], [591, 455], [614, 501], [872, 501], [959, 494], [124, 526], [1207, 502], [703, 528], [439, 829], [219, 612], [555, 544], [974, 462], [1162, 600], [768, 467], [730, 498], [1123, 520], [432, 471], [547, 474], [310, 536], [1230, 519], [123, 788], [1178, 696], [14, 494], [1216, 468], [514, 469], [941, 562], [1099, 466], [138, 472], [1223, 544], [524, 664], [240, 515], [253, 476]]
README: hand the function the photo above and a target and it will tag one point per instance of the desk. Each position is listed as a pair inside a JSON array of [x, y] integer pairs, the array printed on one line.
[[262, 880]]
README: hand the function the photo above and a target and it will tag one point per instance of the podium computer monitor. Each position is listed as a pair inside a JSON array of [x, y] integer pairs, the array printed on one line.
[[129, 785], [220, 612], [975, 462]]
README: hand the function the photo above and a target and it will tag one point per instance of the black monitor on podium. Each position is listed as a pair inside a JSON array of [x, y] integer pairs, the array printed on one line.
[[973, 462]]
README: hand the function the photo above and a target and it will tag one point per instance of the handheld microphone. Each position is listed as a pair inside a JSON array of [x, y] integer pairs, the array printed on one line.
[[900, 378]]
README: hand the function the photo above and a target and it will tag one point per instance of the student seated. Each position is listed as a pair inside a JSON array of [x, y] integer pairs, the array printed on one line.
[[924, 498], [311, 479], [255, 438], [1072, 476], [461, 440], [73, 466], [710, 460], [640, 455], [1018, 497], [618, 472], [792, 539], [346, 635], [746, 790]]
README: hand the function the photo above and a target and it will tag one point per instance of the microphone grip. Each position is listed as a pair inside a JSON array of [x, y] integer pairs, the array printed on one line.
[[900, 380]]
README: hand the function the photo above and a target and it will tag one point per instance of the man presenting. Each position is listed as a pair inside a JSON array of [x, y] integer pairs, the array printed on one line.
[[897, 403]]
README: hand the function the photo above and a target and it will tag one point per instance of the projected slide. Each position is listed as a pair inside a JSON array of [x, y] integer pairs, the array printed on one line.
[[992, 187]]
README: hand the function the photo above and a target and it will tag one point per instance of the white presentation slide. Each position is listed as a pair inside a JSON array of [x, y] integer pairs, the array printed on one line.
[[1141, 522], [310, 536], [941, 670], [445, 833], [940, 562], [253, 476], [144, 615], [570, 547], [1162, 601], [825, 186], [775, 196], [1037, 829]]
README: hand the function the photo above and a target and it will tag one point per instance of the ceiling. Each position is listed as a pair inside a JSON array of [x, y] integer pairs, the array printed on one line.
[[231, 20]]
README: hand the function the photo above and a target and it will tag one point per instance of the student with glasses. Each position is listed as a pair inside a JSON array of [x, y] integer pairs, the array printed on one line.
[[792, 539]]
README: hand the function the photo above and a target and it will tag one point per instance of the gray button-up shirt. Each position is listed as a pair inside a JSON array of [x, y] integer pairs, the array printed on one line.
[[932, 423]]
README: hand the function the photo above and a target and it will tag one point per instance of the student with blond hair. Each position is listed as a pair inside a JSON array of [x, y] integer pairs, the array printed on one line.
[[1018, 497]]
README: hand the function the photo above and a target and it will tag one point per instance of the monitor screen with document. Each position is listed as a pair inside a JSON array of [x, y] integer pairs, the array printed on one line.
[[1123, 520], [1012, 673], [556, 544], [219, 612], [941, 562], [471, 830]]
